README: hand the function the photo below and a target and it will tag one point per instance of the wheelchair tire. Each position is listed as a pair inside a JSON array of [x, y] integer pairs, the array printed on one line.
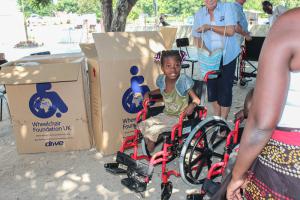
[[166, 190], [201, 148]]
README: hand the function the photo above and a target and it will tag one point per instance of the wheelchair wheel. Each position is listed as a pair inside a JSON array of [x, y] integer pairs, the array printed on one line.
[[202, 148]]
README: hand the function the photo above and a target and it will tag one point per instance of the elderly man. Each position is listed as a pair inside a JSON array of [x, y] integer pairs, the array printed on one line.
[[273, 12], [242, 25], [214, 28]]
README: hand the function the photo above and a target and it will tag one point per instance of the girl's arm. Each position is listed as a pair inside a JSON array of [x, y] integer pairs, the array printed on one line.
[[195, 98], [196, 101]]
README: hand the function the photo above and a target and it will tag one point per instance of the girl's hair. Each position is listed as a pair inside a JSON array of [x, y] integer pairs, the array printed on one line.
[[177, 54]]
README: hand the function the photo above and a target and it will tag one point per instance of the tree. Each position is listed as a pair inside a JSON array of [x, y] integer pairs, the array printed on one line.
[[113, 20], [116, 20]]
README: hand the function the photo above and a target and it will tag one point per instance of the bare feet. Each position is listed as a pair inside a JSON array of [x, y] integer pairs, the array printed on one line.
[[222, 133], [150, 145]]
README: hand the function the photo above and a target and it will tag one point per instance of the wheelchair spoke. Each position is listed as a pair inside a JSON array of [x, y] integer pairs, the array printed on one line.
[[215, 145], [199, 170], [195, 161], [202, 149], [218, 155]]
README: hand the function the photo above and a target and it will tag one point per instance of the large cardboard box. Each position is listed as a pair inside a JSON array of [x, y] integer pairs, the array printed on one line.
[[120, 66], [47, 102], [168, 34]]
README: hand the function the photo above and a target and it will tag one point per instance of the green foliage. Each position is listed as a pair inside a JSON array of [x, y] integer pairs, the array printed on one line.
[[89, 6], [182, 8], [31, 6], [68, 6], [179, 8], [141, 7]]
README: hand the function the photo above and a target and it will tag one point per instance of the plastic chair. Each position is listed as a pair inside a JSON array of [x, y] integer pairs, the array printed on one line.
[[184, 43]]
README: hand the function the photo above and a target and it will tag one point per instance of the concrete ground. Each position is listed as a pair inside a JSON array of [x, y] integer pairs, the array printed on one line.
[[76, 174]]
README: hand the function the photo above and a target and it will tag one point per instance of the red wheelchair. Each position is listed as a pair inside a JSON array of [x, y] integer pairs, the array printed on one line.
[[250, 52], [211, 188], [194, 140]]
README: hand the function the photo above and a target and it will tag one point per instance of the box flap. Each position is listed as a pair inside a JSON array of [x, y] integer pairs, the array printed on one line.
[[168, 34], [39, 72], [89, 49], [67, 57], [128, 45]]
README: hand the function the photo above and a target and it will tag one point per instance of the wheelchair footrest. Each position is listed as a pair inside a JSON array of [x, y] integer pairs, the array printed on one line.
[[134, 185], [114, 168], [196, 196], [134, 165], [210, 187]]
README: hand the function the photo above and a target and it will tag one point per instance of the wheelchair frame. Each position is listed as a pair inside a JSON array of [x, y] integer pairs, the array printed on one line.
[[249, 52], [140, 173], [218, 168]]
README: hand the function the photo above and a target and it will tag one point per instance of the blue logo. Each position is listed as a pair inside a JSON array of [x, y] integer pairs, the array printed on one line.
[[44, 104], [133, 97]]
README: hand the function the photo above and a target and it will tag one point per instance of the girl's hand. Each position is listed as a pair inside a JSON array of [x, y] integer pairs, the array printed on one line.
[[146, 96], [189, 110], [234, 189]]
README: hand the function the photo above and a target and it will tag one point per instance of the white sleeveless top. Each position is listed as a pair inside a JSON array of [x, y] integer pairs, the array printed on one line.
[[291, 113]]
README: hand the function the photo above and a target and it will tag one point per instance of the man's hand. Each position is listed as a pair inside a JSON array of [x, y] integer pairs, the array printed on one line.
[[203, 28]]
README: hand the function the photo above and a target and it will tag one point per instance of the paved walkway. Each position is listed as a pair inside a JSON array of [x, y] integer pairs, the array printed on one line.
[[76, 174]]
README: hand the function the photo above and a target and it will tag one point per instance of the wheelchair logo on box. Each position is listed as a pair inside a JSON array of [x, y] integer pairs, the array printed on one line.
[[44, 104], [132, 99]]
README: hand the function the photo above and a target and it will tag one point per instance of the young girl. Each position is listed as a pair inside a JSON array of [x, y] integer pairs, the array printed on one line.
[[175, 89]]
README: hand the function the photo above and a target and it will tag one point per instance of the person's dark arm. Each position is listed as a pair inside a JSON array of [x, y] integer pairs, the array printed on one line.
[[269, 96]]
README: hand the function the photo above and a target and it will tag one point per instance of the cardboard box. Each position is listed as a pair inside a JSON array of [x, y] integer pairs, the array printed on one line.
[[168, 34], [120, 64], [47, 102], [94, 90]]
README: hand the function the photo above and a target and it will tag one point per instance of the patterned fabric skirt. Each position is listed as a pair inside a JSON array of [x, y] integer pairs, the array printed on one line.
[[276, 172]]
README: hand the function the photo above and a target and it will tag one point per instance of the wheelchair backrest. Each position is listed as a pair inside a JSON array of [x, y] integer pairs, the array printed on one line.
[[200, 90], [253, 48]]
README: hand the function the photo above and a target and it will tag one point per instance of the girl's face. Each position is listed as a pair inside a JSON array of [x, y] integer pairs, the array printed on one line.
[[171, 68], [211, 4]]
